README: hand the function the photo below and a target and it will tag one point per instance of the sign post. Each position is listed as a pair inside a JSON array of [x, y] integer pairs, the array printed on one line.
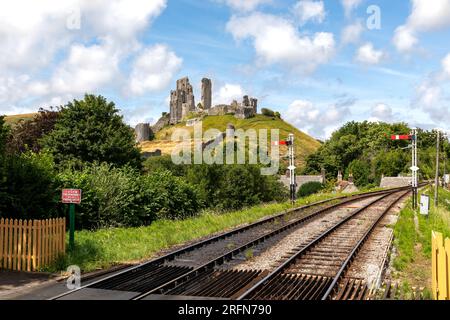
[[293, 181], [71, 197]]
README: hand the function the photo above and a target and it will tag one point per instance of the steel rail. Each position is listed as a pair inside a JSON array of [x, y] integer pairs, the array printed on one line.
[[229, 255], [171, 256], [358, 246], [304, 250]]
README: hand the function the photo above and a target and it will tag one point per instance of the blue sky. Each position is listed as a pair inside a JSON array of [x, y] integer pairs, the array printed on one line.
[[317, 62]]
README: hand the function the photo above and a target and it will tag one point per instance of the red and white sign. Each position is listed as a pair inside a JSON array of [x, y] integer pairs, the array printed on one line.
[[279, 143], [71, 196], [400, 137]]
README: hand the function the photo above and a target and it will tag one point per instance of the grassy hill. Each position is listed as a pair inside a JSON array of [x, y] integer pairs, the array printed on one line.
[[305, 145], [14, 119]]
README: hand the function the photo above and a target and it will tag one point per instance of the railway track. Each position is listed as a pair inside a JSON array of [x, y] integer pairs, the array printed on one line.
[[316, 271], [173, 273]]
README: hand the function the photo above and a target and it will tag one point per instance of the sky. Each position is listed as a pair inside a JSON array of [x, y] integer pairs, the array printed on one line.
[[319, 63]]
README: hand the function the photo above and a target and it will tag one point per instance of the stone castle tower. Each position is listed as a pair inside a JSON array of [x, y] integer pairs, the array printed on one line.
[[206, 93], [181, 101]]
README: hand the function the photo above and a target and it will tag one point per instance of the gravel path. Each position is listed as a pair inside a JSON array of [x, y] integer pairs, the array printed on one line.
[[270, 254], [213, 250], [370, 261]]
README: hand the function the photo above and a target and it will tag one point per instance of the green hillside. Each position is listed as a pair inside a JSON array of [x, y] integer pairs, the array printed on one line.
[[14, 119], [305, 145]]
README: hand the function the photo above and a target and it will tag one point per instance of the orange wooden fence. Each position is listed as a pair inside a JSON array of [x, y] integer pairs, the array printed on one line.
[[30, 245]]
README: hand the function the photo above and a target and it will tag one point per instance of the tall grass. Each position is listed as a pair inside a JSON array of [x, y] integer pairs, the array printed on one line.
[[107, 247], [413, 239]]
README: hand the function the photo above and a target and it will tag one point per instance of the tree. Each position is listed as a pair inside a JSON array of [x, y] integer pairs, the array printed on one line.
[[361, 172], [91, 130], [27, 134], [4, 132], [267, 112]]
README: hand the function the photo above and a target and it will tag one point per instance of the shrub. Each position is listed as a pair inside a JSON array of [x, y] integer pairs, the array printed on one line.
[[171, 197], [92, 130], [232, 187], [29, 188], [27, 134], [309, 188], [164, 163], [119, 197], [267, 112]]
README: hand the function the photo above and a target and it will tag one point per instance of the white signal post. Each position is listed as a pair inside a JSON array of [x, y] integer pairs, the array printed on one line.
[[292, 168], [414, 168]]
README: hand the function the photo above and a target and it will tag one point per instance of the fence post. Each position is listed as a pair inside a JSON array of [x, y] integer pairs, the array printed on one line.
[[2, 221], [447, 263]]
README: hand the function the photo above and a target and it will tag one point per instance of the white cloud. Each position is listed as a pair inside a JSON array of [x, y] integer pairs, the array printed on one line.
[[40, 39], [425, 16], [84, 70], [142, 114], [153, 69], [227, 93], [277, 41], [405, 39], [432, 95], [313, 120], [309, 10], [350, 5], [31, 32], [352, 33], [368, 55], [382, 112], [446, 65], [245, 5]]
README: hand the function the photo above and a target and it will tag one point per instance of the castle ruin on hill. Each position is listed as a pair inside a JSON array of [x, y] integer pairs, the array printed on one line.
[[182, 103], [182, 107]]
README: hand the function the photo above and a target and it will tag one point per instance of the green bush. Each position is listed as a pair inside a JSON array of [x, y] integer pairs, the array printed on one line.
[[28, 187], [164, 163], [267, 112], [309, 188], [119, 197], [171, 197], [91, 130], [229, 187]]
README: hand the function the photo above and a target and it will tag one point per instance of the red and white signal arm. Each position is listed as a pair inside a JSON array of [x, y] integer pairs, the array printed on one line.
[[401, 137], [71, 196], [281, 143]]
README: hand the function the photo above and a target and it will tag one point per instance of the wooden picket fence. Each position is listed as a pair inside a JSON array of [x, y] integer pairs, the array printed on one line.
[[30, 245], [440, 265]]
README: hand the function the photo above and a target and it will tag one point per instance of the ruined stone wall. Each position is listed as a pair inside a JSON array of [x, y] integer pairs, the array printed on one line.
[[143, 132], [206, 93], [182, 101]]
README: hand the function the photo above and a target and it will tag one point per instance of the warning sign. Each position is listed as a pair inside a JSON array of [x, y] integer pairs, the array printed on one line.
[[71, 196]]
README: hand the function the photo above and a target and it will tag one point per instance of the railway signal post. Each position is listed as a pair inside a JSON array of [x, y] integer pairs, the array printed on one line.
[[414, 167], [436, 182], [293, 182]]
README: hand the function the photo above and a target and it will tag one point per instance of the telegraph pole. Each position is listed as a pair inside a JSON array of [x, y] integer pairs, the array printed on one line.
[[291, 168], [436, 182]]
